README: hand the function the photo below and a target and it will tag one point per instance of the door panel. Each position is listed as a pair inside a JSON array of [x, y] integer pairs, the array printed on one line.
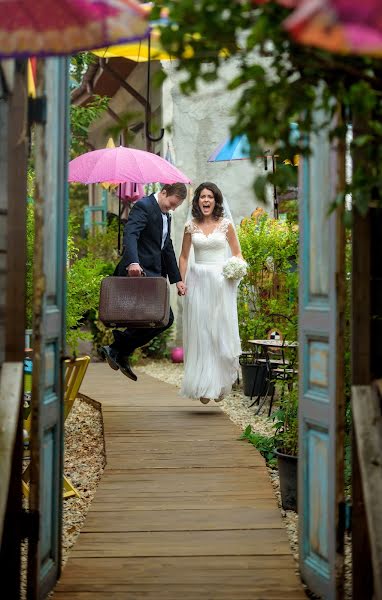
[[49, 325], [321, 401]]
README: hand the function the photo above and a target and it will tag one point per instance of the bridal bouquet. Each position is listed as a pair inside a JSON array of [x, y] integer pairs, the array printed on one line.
[[235, 268]]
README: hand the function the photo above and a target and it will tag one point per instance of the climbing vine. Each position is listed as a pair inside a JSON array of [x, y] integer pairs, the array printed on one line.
[[278, 80]]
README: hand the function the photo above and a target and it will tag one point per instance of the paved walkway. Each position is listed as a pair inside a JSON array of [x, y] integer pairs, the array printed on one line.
[[184, 511]]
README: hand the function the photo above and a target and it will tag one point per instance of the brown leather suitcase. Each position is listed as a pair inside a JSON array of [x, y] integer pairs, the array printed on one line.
[[134, 302]]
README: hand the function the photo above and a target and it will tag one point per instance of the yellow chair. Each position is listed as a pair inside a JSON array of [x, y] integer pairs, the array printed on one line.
[[75, 370]]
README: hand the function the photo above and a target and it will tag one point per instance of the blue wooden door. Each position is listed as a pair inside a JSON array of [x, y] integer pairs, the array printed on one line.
[[321, 349], [51, 140]]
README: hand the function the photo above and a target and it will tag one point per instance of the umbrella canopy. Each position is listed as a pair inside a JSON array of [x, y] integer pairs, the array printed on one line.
[[61, 27], [231, 149], [336, 25], [121, 165], [139, 51]]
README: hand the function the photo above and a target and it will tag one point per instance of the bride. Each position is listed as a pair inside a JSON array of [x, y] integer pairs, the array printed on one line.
[[210, 325]]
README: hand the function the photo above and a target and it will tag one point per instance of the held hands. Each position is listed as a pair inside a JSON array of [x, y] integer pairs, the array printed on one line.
[[182, 290], [134, 270]]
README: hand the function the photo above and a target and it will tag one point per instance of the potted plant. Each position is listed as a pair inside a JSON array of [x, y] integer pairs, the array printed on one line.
[[281, 448], [286, 447], [270, 287]]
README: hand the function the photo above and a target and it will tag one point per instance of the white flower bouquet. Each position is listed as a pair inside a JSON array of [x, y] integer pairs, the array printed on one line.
[[235, 268]]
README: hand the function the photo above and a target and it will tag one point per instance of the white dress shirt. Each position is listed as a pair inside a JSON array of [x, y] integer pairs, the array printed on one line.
[[165, 222]]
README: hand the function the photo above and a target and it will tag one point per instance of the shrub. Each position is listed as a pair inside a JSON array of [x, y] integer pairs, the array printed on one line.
[[270, 287]]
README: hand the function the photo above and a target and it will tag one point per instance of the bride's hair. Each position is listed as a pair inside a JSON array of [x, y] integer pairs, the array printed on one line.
[[218, 211]]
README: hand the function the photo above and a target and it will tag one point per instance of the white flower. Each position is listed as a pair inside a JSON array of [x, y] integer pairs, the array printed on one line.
[[235, 268]]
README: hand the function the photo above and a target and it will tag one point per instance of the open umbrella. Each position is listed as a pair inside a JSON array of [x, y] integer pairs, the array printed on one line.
[[121, 165], [61, 27], [336, 25], [236, 148]]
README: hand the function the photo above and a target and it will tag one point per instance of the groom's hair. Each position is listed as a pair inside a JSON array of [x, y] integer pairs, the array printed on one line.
[[218, 211], [175, 189]]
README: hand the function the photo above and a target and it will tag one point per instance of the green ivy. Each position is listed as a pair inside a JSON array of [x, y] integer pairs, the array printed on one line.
[[277, 81]]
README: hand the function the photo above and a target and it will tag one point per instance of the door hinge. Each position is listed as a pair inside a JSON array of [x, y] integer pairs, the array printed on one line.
[[37, 110], [30, 525]]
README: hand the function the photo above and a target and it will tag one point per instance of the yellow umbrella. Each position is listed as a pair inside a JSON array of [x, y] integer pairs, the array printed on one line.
[[138, 51]]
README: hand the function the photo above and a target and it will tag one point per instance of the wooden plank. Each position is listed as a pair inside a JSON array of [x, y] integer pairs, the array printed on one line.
[[188, 501], [264, 517], [183, 543], [178, 577], [367, 420]]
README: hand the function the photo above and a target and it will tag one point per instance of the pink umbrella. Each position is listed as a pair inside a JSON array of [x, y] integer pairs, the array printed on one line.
[[120, 165], [60, 27], [130, 192]]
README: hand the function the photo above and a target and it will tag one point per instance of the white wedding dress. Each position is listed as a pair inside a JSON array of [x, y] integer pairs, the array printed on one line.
[[210, 325]]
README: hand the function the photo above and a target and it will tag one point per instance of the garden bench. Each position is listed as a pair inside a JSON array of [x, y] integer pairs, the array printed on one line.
[[75, 370]]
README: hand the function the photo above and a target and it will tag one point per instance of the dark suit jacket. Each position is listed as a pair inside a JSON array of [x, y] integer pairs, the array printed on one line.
[[142, 240]]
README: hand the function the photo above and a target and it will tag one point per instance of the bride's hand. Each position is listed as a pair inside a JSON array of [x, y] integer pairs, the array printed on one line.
[[182, 290]]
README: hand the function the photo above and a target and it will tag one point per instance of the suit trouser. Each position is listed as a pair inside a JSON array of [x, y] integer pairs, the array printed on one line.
[[129, 340]]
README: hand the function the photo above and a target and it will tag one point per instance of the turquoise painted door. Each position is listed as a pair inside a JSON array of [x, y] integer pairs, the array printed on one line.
[[51, 139], [321, 398]]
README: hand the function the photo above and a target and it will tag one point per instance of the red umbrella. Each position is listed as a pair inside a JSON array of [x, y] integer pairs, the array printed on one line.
[[61, 27]]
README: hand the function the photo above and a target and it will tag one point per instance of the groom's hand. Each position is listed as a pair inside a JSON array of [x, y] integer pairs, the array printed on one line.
[[134, 270], [181, 288]]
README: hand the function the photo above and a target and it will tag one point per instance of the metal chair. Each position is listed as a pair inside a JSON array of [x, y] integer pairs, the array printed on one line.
[[280, 364]]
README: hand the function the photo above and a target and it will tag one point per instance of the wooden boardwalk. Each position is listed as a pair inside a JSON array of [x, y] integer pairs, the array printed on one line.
[[183, 511]]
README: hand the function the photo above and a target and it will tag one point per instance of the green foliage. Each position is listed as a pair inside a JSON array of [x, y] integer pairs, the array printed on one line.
[[29, 263], [278, 81], [285, 437], [81, 117], [286, 424], [270, 287], [84, 276], [263, 443], [158, 347], [102, 244], [78, 66]]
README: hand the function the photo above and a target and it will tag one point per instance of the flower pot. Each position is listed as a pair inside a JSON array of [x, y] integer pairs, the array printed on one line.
[[287, 466], [249, 373]]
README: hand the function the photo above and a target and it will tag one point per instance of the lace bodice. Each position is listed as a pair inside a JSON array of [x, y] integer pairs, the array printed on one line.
[[209, 248]]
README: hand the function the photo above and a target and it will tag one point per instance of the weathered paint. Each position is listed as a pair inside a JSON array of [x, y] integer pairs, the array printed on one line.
[[321, 372], [49, 311]]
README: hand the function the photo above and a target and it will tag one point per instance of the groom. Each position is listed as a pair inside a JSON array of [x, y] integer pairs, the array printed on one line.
[[147, 249]]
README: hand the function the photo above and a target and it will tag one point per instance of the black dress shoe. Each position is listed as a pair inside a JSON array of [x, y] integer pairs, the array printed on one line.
[[111, 355], [124, 367]]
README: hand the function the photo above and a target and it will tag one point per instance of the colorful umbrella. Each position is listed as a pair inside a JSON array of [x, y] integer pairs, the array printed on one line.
[[336, 25], [121, 165], [231, 149], [61, 27]]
